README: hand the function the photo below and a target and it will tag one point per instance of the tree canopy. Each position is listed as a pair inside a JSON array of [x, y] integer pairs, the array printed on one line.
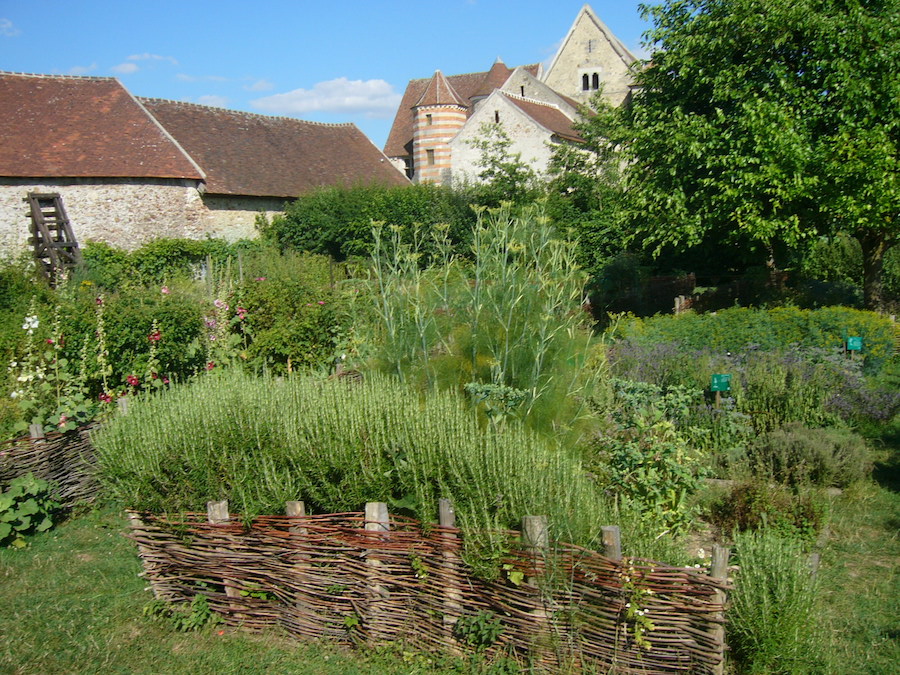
[[764, 122]]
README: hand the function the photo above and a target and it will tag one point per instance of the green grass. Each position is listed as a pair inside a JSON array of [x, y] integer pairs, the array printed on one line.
[[73, 603]]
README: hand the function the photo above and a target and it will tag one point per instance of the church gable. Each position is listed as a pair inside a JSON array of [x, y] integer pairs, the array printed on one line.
[[523, 84], [590, 58]]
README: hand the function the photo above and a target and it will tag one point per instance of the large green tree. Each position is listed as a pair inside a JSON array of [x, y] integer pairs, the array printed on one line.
[[767, 122]]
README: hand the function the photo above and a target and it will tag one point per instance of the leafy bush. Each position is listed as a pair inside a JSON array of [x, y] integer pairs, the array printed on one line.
[[756, 504], [737, 329], [772, 620], [796, 455], [26, 507], [259, 442], [337, 221]]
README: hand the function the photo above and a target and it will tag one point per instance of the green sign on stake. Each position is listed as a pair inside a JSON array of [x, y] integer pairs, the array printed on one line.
[[854, 344], [721, 382]]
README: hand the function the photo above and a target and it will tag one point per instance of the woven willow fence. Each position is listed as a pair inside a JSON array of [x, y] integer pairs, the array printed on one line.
[[370, 578], [67, 460]]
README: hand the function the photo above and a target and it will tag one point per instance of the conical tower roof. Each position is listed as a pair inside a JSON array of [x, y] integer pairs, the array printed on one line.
[[440, 92], [495, 78]]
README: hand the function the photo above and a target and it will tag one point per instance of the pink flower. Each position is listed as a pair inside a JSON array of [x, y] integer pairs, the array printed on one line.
[[210, 323], [212, 337], [155, 337], [62, 421], [165, 290], [259, 279], [133, 381], [321, 302], [165, 380], [210, 365], [99, 300], [220, 304], [105, 398], [241, 313]]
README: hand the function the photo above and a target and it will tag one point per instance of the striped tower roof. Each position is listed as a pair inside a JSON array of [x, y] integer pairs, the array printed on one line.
[[440, 92]]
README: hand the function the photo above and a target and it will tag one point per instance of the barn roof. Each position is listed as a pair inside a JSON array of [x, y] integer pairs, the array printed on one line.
[[59, 126], [249, 154]]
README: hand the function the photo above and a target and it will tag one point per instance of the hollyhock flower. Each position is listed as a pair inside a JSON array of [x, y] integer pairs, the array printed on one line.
[[49, 341], [165, 380], [321, 302], [155, 337], [99, 300], [210, 365], [62, 421], [165, 290], [260, 279], [210, 323], [105, 398], [220, 304], [132, 381], [241, 313]]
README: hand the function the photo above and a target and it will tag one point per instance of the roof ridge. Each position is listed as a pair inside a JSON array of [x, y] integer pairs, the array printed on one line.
[[529, 100], [59, 77], [243, 112]]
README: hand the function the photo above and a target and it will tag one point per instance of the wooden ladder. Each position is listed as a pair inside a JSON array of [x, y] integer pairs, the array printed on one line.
[[55, 247]]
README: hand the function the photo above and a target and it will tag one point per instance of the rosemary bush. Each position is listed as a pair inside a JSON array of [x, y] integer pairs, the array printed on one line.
[[259, 442], [772, 620]]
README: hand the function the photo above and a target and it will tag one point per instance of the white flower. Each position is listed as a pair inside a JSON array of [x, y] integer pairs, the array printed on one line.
[[14, 394], [21, 378], [31, 323]]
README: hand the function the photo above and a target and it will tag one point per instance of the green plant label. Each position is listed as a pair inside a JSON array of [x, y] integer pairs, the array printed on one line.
[[854, 344], [720, 382]]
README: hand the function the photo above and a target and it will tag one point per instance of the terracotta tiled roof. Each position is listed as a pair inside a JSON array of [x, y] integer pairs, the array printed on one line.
[[247, 154], [440, 92], [495, 78], [65, 127], [467, 86], [548, 116]]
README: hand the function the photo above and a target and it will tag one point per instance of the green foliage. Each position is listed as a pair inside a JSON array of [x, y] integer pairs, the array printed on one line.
[[26, 507], [773, 619], [479, 630], [797, 456], [259, 442], [653, 467], [797, 514], [504, 176], [184, 618], [766, 141], [338, 221], [737, 328], [512, 318]]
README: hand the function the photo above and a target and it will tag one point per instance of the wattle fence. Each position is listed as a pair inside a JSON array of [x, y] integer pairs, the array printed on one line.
[[371, 579], [67, 460]]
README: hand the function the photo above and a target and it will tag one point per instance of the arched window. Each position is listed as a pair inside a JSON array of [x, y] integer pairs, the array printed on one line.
[[595, 81], [585, 82]]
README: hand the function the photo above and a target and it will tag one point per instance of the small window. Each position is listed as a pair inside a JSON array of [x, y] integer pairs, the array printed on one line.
[[496, 117], [522, 90], [585, 82], [595, 81], [428, 119], [430, 155], [590, 46]]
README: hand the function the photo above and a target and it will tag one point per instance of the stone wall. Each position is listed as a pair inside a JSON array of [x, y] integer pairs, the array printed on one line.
[[127, 213]]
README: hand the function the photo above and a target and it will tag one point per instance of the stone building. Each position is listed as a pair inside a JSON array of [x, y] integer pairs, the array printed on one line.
[[130, 170], [440, 117]]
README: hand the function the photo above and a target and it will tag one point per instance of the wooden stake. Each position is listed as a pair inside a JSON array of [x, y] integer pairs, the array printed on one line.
[[719, 570], [453, 607], [612, 542], [217, 514]]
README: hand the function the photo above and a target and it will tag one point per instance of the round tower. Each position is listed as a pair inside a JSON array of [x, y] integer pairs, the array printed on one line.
[[437, 117]]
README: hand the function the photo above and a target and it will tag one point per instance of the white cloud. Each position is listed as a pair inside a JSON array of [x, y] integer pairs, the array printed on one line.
[[82, 70], [153, 57], [374, 98], [216, 101], [125, 68], [8, 28], [260, 85]]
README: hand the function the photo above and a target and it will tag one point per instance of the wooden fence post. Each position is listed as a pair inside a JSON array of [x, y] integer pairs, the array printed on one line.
[[612, 542], [36, 431], [719, 570], [297, 509], [217, 514], [453, 607], [377, 520]]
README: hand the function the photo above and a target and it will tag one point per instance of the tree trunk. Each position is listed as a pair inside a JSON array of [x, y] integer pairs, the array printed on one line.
[[874, 245]]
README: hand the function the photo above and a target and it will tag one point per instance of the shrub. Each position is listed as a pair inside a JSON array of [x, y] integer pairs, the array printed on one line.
[[772, 622], [26, 507], [756, 504], [259, 442], [796, 455]]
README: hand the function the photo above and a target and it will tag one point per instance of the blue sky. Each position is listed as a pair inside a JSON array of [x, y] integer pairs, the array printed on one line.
[[320, 60]]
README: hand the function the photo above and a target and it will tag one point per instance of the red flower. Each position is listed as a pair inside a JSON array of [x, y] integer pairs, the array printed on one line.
[[106, 398], [133, 381], [155, 337], [210, 365], [99, 300], [49, 341], [165, 380]]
